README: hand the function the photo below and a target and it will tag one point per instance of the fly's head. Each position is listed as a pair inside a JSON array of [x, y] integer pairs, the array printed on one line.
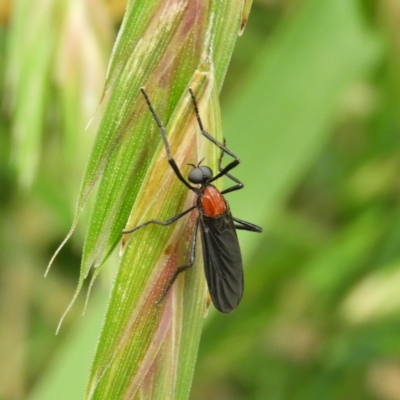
[[200, 174]]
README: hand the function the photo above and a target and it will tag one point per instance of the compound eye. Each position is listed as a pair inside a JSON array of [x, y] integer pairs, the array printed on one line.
[[207, 172], [196, 175]]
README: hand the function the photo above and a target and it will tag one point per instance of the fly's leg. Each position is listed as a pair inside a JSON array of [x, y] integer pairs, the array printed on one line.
[[223, 148], [247, 226], [183, 267], [239, 185], [166, 144], [157, 222]]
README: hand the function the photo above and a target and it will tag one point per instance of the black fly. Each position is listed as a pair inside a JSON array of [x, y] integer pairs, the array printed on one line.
[[223, 265]]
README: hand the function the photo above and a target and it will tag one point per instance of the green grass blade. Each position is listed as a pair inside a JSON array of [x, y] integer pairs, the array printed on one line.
[[29, 63], [139, 336], [175, 45]]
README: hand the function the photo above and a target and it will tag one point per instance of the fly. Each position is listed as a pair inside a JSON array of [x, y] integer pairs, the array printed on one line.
[[223, 264]]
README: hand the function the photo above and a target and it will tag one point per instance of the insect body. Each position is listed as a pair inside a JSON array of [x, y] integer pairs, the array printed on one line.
[[223, 265]]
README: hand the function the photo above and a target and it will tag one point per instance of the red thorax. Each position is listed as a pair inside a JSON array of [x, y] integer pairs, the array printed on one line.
[[212, 201]]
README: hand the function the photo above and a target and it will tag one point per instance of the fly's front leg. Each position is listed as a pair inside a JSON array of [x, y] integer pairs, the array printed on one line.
[[223, 148], [239, 185], [171, 161]]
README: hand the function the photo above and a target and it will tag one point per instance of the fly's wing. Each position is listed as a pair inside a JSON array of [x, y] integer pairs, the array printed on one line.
[[223, 265]]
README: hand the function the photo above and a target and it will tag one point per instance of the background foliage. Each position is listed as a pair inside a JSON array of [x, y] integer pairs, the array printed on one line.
[[311, 105]]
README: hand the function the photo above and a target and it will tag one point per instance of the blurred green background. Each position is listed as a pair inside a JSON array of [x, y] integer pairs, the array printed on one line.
[[311, 105]]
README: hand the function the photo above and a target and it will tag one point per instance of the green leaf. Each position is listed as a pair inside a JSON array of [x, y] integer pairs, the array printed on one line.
[[137, 331], [167, 47], [28, 77]]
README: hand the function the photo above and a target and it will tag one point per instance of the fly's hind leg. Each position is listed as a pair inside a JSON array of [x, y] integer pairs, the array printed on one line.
[[247, 226], [183, 268]]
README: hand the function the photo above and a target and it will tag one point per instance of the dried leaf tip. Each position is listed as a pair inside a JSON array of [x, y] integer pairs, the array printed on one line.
[[245, 15]]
